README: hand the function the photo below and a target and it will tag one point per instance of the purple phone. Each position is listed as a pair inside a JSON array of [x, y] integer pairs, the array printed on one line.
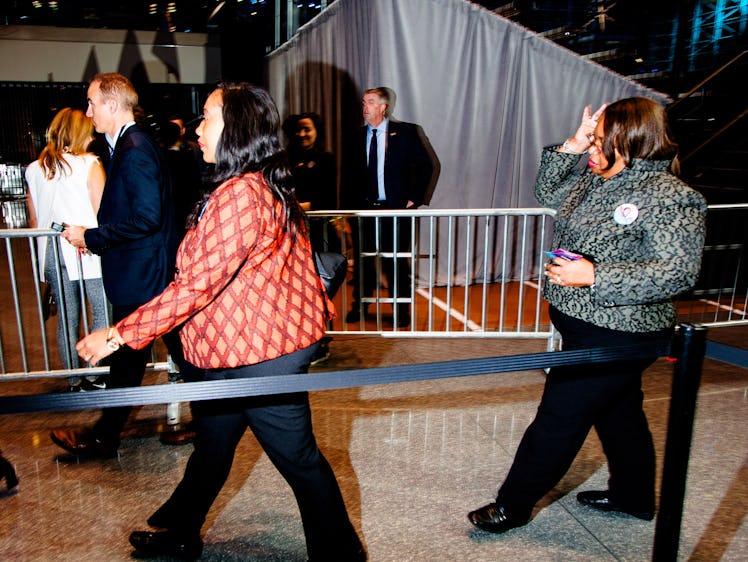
[[561, 253]]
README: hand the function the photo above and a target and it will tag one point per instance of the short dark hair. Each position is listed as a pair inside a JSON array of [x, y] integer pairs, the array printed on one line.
[[319, 126], [638, 128], [291, 124]]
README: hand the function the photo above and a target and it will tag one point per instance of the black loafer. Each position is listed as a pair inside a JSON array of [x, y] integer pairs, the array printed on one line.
[[495, 518], [167, 543], [598, 499]]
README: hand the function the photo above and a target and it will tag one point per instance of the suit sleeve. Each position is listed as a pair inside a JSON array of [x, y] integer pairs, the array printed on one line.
[[139, 188]]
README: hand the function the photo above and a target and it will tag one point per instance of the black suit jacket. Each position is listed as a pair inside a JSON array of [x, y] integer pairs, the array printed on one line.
[[135, 238], [407, 168]]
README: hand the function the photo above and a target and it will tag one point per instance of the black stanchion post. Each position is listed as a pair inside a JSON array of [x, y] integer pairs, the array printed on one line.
[[690, 341]]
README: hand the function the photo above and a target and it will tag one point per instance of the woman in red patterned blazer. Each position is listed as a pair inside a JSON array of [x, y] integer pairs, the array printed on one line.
[[251, 305]]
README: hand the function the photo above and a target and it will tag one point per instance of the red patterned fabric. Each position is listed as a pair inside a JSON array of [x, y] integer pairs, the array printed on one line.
[[244, 292]]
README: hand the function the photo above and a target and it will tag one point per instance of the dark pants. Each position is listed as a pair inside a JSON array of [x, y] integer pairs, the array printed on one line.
[[607, 396], [127, 368], [282, 425], [393, 235]]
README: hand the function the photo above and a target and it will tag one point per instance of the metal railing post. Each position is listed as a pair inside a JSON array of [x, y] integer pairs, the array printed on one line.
[[689, 346]]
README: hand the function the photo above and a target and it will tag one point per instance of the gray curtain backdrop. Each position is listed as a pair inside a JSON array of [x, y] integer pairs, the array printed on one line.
[[488, 93]]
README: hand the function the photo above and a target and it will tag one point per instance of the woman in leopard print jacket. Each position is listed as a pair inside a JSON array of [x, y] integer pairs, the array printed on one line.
[[639, 234]]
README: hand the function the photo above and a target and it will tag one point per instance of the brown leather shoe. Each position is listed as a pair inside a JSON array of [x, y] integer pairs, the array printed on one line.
[[177, 435], [83, 443]]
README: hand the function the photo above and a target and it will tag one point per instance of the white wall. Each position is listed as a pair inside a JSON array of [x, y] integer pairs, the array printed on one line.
[[56, 54]]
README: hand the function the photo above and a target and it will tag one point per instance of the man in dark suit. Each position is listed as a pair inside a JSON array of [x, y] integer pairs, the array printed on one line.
[[136, 240], [390, 169]]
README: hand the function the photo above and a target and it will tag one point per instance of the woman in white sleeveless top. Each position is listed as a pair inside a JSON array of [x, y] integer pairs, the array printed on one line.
[[65, 186]]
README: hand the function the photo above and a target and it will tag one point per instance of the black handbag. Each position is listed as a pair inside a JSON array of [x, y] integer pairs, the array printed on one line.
[[49, 306], [332, 268]]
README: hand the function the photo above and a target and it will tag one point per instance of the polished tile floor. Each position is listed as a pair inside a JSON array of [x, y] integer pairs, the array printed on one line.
[[412, 460]]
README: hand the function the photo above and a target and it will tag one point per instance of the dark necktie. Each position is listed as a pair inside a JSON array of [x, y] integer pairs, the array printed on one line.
[[372, 168]]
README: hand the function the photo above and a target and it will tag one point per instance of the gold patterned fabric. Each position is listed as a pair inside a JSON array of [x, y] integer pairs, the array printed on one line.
[[245, 291]]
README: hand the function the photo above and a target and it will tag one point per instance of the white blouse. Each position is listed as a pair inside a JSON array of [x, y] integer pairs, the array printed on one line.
[[64, 198]]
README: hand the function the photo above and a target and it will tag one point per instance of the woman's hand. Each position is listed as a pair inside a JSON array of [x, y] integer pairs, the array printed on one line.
[[580, 142], [570, 273], [99, 344]]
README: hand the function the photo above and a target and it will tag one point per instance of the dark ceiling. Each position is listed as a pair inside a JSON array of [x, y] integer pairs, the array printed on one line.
[[644, 39]]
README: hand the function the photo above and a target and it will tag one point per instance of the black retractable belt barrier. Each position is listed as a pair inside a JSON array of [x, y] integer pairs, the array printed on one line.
[[689, 348], [278, 384]]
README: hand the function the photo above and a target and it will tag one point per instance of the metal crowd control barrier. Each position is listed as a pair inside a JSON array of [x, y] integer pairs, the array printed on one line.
[[475, 274], [688, 348], [720, 297], [28, 340]]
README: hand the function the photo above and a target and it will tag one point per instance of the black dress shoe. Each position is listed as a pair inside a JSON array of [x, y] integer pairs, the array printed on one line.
[[83, 443], [167, 543], [598, 499], [495, 518]]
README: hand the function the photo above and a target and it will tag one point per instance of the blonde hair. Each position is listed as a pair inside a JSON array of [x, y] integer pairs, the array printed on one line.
[[70, 132]]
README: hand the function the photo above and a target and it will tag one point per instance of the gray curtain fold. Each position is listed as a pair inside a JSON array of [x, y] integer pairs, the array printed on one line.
[[488, 93]]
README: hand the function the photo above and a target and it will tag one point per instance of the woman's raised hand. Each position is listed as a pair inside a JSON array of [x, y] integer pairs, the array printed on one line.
[[580, 141]]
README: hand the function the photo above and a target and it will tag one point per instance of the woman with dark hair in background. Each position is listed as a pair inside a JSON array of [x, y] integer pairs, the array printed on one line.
[[315, 175], [312, 166], [638, 232], [251, 305]]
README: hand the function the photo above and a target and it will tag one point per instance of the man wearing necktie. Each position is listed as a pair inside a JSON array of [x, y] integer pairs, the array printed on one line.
[[391, 169], [137, 241]]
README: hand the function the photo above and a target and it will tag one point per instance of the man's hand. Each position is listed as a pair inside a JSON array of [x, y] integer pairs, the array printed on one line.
[[75, 235]]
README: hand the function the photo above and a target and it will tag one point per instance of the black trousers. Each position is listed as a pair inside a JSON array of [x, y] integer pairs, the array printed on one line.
[[606, 396], [282, 425], [127, 368], [391, 235]]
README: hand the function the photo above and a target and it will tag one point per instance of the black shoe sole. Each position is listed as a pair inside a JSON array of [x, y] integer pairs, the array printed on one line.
[[612, 508]]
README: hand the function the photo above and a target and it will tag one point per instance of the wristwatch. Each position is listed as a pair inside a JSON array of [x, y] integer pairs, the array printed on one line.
[[111, 343]]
